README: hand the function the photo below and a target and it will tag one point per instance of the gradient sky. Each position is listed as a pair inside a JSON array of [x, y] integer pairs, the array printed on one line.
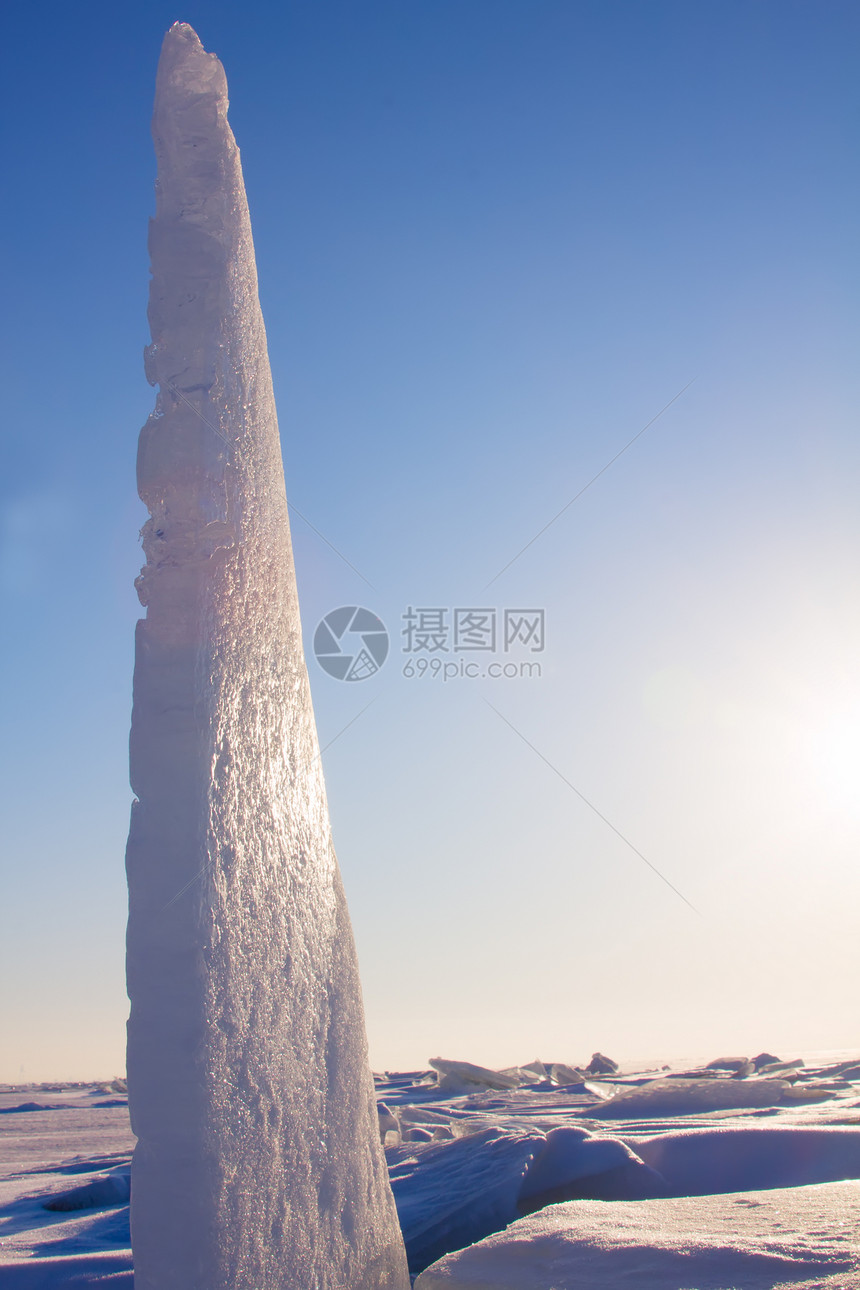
[[495, 238]]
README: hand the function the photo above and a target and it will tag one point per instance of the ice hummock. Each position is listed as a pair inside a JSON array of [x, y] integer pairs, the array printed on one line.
[[258, 1162]]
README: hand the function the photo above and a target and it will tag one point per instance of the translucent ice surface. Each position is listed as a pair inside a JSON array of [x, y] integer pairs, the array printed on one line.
[[259, 1163]]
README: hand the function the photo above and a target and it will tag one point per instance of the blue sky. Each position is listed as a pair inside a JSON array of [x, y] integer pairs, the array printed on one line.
[[494, 239]]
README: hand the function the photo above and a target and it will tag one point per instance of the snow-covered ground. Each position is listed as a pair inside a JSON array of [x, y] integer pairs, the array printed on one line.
[[752, 1241], [54, 1142], [544, 1176]]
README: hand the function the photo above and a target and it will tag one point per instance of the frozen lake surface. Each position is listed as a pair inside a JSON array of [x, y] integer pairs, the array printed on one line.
[[696, 1179]]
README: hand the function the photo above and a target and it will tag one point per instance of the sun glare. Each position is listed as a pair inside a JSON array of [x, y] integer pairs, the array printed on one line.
[[834, 752]]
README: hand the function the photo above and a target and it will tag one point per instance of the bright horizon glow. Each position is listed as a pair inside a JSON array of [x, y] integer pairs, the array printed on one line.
[[493, 241]]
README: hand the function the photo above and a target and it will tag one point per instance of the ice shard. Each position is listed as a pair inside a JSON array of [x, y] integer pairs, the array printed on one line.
[[258, 1162]]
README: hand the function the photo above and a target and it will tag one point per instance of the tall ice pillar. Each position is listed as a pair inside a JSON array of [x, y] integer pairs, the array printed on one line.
[[258, 1164]]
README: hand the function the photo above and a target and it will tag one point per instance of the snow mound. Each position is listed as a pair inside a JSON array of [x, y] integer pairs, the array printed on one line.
[[572, 1164], [454, 1192], [697, 1162], [77, 1272], [755, 1240], [112, 1189], [450, 1194]]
